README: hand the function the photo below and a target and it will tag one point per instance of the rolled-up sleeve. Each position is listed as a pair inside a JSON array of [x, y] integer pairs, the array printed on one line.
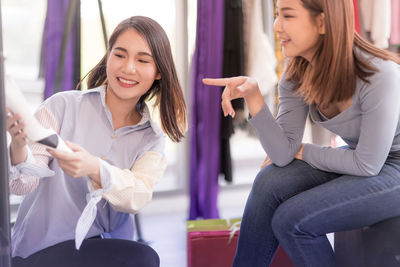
[[24, 177], [133, 189]]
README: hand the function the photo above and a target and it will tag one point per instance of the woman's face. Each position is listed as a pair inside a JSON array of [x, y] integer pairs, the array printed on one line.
[[297, 31], [131, 69]]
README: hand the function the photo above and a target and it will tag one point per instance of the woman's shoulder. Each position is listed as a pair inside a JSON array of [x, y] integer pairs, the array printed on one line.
[[383, 66], [383, 82], [70, 97], [63, 96], [386, 66]]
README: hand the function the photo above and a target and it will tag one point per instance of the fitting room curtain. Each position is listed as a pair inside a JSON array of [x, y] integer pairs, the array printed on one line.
[[5, 228], [206, 109], [61, 46]]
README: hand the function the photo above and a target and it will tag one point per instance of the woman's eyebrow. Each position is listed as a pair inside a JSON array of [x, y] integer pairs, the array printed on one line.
[[287, 9], [141, 53], [121, 49], [145, 54]]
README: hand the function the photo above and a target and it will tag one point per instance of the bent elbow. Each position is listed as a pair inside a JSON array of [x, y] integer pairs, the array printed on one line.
[[282, 162], [21, 187], [368, 171]]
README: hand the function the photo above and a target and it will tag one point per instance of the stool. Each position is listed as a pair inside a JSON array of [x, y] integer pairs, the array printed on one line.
[[372, 246]]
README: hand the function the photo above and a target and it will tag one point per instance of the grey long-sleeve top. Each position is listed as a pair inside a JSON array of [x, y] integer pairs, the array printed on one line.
[[370, 126]]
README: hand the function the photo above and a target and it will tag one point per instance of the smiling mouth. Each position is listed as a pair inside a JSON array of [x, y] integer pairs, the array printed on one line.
[[284, 41], [129, 82]]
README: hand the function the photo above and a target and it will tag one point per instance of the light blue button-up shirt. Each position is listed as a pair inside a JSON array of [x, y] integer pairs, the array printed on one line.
[[50, 213]]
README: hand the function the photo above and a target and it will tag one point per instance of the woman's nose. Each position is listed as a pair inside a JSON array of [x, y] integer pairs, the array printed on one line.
[[277, 25], [129, 67]]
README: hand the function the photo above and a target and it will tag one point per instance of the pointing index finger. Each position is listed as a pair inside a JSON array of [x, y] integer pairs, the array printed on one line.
[[216, 82]]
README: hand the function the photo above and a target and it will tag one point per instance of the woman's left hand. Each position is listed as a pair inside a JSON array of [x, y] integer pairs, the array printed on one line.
[[266, 162], [299, 154], [78, 163]]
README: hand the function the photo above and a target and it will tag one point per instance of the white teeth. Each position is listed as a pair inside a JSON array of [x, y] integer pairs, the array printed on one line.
[[127, 82]]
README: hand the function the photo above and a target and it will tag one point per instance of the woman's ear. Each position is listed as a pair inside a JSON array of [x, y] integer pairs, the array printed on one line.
[[158, 76], [321, 23]]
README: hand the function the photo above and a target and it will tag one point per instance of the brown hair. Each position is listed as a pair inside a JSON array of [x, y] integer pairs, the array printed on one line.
[[336, 63], [167, 90]]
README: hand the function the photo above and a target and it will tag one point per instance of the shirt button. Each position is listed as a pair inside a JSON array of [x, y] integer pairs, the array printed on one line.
[[113, 136], [103, 157]]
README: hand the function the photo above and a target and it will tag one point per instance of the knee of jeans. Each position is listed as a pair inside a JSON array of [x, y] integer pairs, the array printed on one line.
[[268, 182], [148, 257], [153, 258], [284, 222]]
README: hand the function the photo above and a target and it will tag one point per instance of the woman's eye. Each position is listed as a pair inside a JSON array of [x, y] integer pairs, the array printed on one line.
[[143, 61], [119, 55]]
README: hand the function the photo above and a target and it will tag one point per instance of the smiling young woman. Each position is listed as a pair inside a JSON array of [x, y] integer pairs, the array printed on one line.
[[78, 205], [305, 191]]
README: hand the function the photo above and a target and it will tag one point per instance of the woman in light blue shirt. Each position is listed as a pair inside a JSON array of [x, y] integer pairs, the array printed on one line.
[[349, 87], [77, 209]]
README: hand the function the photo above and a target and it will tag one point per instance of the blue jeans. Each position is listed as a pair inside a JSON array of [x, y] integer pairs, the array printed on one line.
[[93, 252], [297, 205]]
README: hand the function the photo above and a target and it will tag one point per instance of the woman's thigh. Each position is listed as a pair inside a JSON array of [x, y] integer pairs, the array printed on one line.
[[345, 203], [281, 183], [93, 252]]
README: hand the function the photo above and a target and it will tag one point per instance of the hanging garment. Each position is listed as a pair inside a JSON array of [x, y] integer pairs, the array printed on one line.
[[260, 61], [376, 17], [356, 16], [268, 19], [60, 56], [206, 108], [233, 65], [395, 29]]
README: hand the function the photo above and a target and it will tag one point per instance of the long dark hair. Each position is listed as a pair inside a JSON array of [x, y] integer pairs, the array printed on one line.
[[336, 64], [167, 90]]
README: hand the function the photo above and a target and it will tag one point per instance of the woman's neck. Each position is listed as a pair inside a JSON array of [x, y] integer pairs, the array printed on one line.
[[123, 113]]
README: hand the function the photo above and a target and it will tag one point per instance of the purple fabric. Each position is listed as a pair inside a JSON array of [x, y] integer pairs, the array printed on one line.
[[206, 108], [53, 32]]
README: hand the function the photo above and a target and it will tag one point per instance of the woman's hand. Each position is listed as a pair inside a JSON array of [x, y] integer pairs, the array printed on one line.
[[15, 126], [299, 154], [238, 87], [78, 163], [266, 162]]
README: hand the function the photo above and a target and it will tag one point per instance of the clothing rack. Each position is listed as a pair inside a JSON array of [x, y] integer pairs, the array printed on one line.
[[5, 239]]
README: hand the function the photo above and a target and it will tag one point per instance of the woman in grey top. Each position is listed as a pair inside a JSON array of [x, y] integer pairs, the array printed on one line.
[[78, 206], [305, 191]]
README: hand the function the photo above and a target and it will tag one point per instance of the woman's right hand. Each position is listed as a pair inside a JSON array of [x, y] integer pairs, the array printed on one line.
[[238, 87], [19, 139]]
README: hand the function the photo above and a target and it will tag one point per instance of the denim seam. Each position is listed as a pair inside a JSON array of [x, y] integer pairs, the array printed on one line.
[[341, 204], [270, 251]]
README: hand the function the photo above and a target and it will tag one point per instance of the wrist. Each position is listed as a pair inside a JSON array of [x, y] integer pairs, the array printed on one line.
[[18, 154], [254, 102], [94, 175], [300, 152]]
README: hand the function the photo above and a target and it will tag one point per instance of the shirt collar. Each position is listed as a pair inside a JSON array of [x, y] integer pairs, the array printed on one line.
[[146, 118]]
